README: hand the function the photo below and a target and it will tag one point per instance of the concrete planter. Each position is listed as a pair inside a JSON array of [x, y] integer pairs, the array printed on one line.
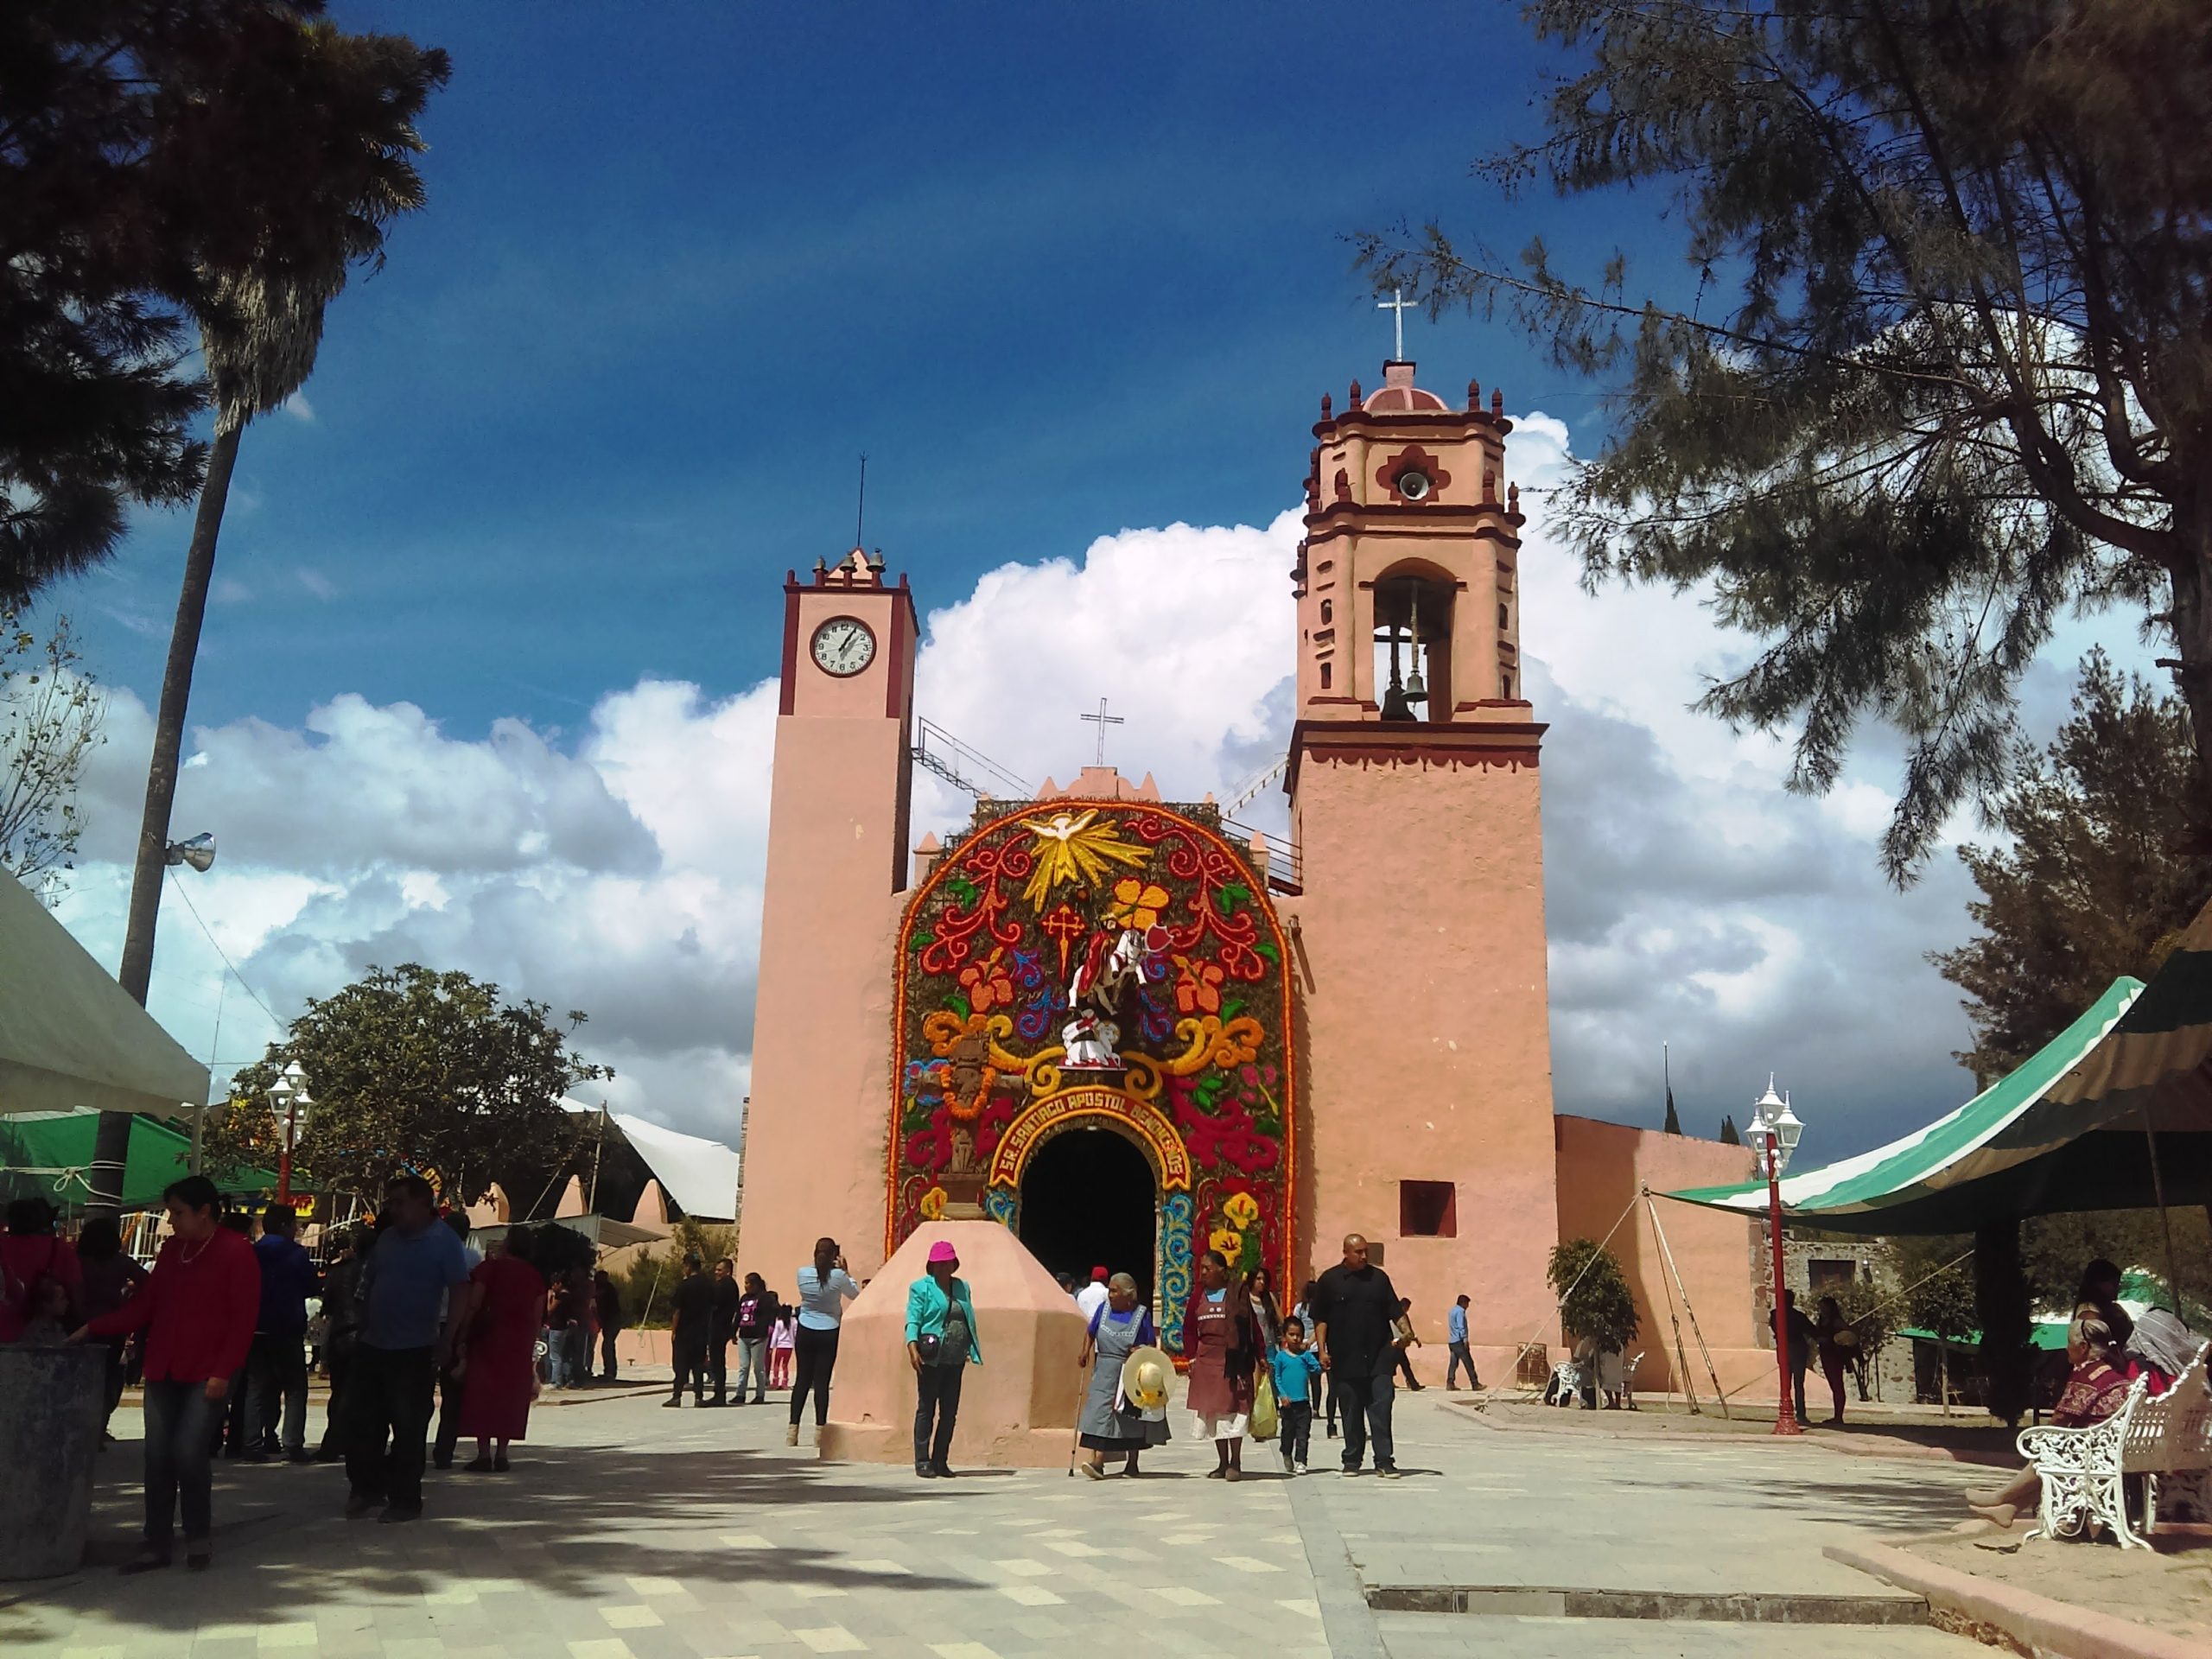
[[50, 1436]]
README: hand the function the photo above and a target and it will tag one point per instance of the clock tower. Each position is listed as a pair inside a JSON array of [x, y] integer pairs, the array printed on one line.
[[837, 840]]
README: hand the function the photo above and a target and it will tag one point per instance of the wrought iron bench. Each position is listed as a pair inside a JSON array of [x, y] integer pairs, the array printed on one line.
[[2166, 1440]]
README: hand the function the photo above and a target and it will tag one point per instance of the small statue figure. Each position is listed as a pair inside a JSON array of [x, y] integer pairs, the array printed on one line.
[[1089, 1043]]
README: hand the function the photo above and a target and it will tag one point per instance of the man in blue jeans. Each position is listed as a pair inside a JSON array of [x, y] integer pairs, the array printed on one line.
[[1455, 1332], [407, 1329], [276, 1365]]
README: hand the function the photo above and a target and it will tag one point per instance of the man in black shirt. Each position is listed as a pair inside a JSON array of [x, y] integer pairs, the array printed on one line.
[[1352, 1315], [722, 1324], [689, 1331]]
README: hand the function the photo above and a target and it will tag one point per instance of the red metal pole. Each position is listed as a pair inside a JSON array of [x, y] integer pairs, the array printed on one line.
[[284, 1160], [1785, 1418]]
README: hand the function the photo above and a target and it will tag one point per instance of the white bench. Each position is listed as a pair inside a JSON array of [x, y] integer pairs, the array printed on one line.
[[2167, 1440]]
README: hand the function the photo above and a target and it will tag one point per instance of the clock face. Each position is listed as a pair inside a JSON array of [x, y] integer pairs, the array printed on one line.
[[1413, 485], [843, 645]]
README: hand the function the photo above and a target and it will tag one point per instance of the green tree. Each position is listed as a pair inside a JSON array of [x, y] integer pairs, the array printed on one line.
[[344, 107], [1599, 1304], [1870, 1312], [1729, 1135], [347, 104], [415, 1070], [1939, 1295], [50, 716], [2094, 877], [1948, 373], [141, 147]]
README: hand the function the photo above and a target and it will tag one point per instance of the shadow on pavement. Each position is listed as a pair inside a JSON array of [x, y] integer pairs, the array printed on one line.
[[569, 1522]]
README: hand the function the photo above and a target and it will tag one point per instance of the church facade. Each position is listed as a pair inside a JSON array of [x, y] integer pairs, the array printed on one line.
[[1132, 1035]]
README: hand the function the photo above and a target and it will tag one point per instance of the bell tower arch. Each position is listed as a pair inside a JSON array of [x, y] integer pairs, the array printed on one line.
[[1414, 796]]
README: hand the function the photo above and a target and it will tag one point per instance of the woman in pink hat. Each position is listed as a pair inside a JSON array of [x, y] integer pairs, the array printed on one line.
[[941, 1344]]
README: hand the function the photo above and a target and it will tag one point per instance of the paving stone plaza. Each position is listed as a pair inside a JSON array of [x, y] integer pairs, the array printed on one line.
[[629, 1532]]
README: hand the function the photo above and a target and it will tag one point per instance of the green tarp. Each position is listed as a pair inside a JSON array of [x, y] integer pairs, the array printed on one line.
[[52, 1152], [2073, 1128]]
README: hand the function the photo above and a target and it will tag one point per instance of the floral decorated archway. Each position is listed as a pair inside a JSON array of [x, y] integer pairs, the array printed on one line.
[[1110, 964]]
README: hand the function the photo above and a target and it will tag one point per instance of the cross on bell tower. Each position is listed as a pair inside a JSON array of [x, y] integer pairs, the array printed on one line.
[[1103, 720]]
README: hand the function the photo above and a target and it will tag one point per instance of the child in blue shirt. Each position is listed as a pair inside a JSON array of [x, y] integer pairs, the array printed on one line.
[[1297, 1374]]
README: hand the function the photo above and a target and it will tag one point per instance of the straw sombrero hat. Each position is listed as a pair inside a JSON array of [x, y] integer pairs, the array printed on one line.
[[1146, 1375]]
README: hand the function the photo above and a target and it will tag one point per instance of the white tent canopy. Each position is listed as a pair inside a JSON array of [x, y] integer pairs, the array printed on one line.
[[700, 1174], [70, 1035]]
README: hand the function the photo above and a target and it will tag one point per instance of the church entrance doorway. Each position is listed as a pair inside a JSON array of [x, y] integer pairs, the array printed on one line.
[[1087, 1200]]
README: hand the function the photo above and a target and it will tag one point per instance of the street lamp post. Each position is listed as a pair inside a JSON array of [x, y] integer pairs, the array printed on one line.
[[1773, 1134], [289, 1095]]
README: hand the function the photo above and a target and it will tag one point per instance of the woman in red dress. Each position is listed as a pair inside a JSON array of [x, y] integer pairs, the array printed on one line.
[[1221, 1338], [498, 1361]]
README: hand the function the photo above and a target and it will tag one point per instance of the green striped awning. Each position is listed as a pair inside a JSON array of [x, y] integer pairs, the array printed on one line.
[[2071, 1129]]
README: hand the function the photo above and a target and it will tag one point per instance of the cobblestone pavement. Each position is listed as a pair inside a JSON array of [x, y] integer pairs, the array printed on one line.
[[629, 1532]]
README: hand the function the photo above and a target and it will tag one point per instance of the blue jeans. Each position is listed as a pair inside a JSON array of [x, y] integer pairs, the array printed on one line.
[[557, 1357], [179, 1435], [753, 1361]]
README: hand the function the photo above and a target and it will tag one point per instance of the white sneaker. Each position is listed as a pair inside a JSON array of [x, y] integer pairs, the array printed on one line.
[[1301, 1468]]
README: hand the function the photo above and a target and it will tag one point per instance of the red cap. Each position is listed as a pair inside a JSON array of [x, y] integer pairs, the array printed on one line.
[[1099, 1276]]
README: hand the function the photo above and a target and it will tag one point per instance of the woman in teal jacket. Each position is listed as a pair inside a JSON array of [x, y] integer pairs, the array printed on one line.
[[941, 1343]]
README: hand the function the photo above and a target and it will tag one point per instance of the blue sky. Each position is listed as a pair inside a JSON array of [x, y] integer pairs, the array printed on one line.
[[481, 680], [1056, 271]]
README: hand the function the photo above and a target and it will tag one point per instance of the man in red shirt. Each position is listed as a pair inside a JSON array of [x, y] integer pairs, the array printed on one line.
[[198, 1309]]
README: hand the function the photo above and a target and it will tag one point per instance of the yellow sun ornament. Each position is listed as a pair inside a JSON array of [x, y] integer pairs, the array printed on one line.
[[1074, 847]]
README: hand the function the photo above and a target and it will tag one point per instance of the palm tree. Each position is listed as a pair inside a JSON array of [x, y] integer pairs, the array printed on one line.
[[335, 125]]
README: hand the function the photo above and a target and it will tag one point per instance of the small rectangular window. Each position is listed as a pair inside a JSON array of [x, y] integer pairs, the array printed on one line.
[[1428, 1210], [1324, 676]]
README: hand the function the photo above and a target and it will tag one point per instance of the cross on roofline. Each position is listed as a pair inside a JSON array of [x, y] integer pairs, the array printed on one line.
[[1101, 720], [1400, 304]]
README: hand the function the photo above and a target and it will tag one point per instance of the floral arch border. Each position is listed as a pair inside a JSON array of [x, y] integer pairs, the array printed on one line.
[[979, 997]]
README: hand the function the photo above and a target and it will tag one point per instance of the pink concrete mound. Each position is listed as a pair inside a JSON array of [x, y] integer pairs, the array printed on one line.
[[1017, 1408]]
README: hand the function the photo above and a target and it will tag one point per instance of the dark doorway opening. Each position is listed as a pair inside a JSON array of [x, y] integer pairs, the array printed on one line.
[[1086, 1202]]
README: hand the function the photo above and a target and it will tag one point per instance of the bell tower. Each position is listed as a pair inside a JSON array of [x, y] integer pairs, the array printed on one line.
[[836, 872], [1415, 804]]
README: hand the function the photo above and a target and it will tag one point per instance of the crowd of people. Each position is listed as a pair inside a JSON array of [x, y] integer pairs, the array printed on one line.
[[1344, 1343]]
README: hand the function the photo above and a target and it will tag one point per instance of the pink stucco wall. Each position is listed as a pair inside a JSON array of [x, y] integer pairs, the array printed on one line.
[[1601, 1167], [1421, 945]]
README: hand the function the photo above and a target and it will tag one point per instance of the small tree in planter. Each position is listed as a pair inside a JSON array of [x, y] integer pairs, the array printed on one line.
[[1593, 1293]]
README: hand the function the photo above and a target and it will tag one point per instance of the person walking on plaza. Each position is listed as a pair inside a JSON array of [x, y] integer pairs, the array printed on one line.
[[690, 1332], [1455, 1335], [342, 1335], [406, 1333], [779, 1344], [449, 1379], [608, 1301], [1093, 1296], [824, 1288], [1403, 1341], [30, 1251], [1262, 1291], [942, 1342], [1355, 1305], [1800, 1339], [277, 1365], [755, 1320], [1829, 1330], [496, 1351], [198, 1308], [722, 1329], [111, 1275], [1297, 1374], [1110, 1425], [1221, 1339]]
